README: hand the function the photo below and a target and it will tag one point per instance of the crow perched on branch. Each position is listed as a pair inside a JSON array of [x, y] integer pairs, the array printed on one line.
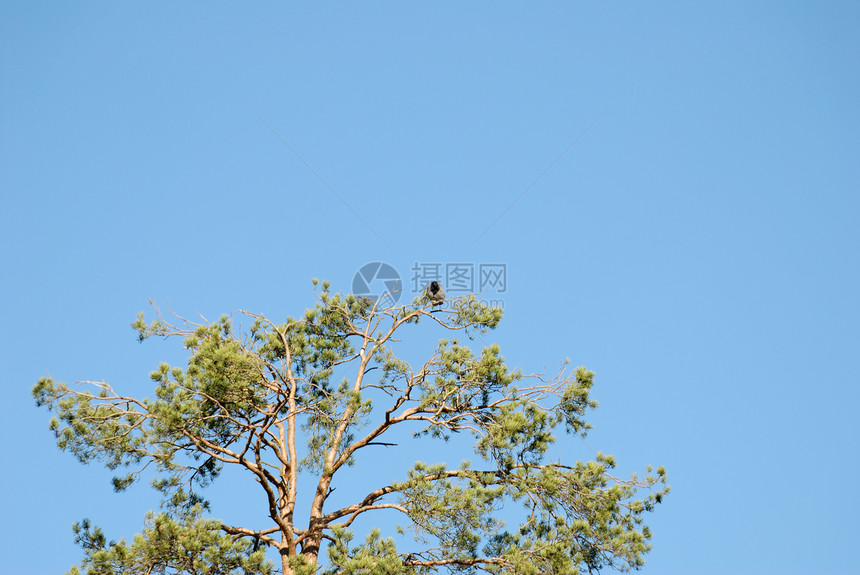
[[435, 293]]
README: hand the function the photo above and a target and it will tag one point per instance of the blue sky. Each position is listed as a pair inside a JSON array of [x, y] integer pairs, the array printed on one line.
[[697, 247]]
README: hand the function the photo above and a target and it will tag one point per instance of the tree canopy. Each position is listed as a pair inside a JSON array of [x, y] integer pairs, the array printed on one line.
[[266, 400]]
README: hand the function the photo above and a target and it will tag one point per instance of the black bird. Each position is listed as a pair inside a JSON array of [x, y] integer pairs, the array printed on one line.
[[435, 293]]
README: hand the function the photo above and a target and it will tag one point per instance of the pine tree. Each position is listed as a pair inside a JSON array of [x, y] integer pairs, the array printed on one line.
[[265, 400]]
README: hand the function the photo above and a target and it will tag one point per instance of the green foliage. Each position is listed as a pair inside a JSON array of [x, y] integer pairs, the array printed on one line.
[[377, 556], [266, 401], [187, 545]]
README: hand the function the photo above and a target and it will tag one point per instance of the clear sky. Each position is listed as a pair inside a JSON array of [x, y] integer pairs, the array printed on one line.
[[697, 247]]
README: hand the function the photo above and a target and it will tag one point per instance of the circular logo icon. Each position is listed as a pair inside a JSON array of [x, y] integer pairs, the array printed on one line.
[[378, 281]]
